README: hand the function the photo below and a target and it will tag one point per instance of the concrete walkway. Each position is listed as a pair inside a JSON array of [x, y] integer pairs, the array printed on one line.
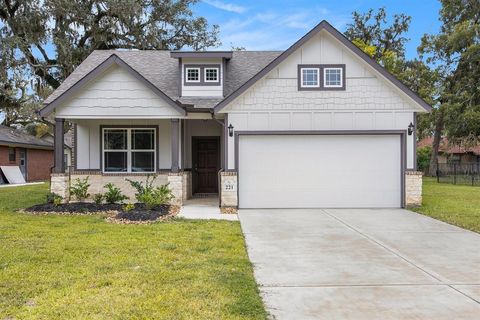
[[362, 264], [204, 208]]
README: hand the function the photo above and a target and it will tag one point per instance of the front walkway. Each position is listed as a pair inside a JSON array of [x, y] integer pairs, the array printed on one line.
[[204, 208], [362, 264]]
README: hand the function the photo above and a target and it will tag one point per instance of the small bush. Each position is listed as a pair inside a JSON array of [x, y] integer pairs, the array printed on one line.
[[79, 190], [128, 207], [51, 196], [113, 194], [423, 158], [54, 198], [98, 198], [149, 195]]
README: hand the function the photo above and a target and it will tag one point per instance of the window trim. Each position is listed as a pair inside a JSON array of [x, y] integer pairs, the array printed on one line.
[[322, 86], [205, 74], [325, 85], [202, 68], [199, 74], [318, 77], [129, 149]]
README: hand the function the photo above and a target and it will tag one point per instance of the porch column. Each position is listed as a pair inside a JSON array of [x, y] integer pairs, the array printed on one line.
[[175, 144], [58, 146]]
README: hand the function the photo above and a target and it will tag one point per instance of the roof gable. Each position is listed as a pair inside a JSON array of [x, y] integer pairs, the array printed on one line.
[[342, 39], [113, 59]]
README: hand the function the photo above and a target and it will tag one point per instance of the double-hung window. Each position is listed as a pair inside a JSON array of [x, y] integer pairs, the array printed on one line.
[[211, 74], [333, 77], [129, 150], [12, 154], [193, 74], [310, 77]]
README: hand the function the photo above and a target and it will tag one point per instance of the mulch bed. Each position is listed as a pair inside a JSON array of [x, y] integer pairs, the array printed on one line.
[[114, 212]]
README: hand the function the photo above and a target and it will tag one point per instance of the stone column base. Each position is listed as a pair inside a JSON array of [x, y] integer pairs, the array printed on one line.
[[60, 184], [413, 188], [228, 189], [178, 182]]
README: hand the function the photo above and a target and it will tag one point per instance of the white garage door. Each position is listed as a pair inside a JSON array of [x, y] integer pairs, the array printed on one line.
[[319, 171]]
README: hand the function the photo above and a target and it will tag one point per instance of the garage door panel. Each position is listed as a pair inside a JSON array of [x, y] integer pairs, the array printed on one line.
[[319, 171]]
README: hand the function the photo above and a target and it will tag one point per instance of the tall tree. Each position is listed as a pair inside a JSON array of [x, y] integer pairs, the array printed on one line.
[[43, 41], [456, 52]]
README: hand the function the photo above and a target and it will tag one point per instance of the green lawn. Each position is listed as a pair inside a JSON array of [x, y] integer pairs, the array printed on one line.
[[80, 267], [454, 204]]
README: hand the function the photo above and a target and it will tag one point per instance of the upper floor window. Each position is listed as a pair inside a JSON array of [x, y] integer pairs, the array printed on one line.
[[211, 74], [193, 74], [333, 77], [321, 77], [310, 77]]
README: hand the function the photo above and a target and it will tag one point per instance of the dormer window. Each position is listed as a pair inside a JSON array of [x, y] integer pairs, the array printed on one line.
[[192, 74], [211, 74]]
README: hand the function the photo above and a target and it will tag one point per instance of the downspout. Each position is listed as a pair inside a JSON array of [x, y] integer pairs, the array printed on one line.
[[219, 179]]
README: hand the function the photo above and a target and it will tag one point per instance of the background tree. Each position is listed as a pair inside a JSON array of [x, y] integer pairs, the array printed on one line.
[[385, 42], [42, 42], [456, 52]]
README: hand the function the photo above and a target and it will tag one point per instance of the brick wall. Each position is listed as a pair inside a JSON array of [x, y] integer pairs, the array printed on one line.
[[39, 163], [4, 157]]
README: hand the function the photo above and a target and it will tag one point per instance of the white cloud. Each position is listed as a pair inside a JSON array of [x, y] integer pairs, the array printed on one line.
[[273, 29], [230, 7]]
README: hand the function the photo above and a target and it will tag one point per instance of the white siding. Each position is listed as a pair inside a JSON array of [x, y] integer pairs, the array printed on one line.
[[369, 102], [116, 94], [89, 139], [202, 91]]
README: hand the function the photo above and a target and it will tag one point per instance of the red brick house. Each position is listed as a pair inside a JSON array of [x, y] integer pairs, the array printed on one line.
[[34, 156], [452, 153]]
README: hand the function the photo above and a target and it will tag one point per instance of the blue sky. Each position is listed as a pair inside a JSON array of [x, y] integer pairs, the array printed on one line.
[[275, 25]]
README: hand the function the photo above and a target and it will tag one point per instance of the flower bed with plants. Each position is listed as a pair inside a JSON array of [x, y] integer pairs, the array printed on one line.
[[152, 202]]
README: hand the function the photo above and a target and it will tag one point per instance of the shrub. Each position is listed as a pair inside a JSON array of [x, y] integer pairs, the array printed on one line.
[[54, 198], [80, 189], [98, 198], [128, 207], [423, 158], [149, 195], [113, 194]]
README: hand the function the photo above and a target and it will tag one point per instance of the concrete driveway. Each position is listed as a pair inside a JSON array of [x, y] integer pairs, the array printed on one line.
[[362, 264]]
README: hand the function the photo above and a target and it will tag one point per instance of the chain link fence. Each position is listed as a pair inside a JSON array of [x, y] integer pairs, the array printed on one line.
[[455, 173]]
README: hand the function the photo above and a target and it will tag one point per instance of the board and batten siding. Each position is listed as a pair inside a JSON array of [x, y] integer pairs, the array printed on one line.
[[369, 102], [88, 141], [202, 91], [115, 94]]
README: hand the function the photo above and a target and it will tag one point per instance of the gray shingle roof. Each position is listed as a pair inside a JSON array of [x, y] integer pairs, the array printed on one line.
[[163, 71], [10, 136]]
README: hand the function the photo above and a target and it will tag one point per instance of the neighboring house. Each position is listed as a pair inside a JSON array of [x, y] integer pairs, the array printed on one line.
[[68, 145], [34, 156], [265, 129], [452, 153]]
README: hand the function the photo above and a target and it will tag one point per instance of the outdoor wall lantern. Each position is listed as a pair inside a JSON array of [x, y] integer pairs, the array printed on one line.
[[230, 130], [411, 126]]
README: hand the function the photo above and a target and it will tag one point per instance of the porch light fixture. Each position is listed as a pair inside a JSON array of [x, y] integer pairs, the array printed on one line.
[[411, 126], [230, 130]]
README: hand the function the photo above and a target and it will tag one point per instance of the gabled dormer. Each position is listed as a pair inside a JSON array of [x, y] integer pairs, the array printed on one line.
[[202, 74]]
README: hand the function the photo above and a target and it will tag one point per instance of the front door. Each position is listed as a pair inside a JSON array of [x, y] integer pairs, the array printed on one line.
[[206, 164]]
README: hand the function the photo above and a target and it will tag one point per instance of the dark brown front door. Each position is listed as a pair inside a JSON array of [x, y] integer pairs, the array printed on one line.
[[206, 164]]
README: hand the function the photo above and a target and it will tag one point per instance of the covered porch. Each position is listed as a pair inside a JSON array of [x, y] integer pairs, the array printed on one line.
[[188, 153]]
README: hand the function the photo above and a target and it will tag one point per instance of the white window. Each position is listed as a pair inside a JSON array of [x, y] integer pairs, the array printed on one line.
[[129, 150], [193, 74], [211, 74], [333, 77], [310, 77]]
